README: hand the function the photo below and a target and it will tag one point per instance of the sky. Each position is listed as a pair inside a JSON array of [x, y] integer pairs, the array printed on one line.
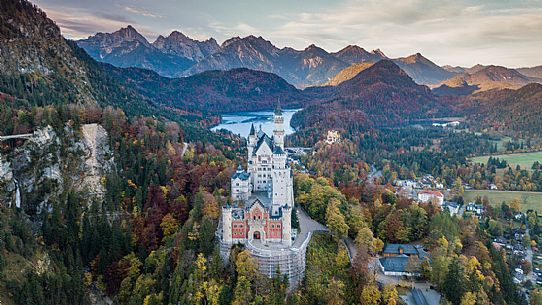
[[460, 32]]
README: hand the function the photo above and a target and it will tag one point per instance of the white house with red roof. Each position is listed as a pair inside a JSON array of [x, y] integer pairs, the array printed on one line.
[[430, 196]]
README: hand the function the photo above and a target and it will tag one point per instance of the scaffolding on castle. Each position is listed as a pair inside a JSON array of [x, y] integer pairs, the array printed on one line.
[[289, 261]]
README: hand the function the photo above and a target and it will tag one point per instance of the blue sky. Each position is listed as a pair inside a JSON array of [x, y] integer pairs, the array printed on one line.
[[461, 32]]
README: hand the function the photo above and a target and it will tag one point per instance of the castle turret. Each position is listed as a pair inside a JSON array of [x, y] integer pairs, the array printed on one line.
[[281, 176], [240, 185], [226, 225], [287, 225], [278, 132]]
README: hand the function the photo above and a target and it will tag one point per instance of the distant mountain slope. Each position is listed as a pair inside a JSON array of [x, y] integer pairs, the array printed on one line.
[[354, 54], [454, 69], [310, 66], [490, 77], [213, 91], [36, 62], [179, 44], [127, 48], [381, 95], [348, 73], [422, 70], [513, 112], [531, 72]]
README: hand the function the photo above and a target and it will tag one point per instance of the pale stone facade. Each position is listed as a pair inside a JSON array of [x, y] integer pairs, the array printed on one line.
[[262, 205], [265, 190], [333, 136], [428, 196]]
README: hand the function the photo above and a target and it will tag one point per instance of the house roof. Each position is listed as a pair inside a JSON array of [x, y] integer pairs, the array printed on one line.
[[450, 204], [394, 263], [418, 297], [406, 249], [430, 192], [258, 202], [277, 150]]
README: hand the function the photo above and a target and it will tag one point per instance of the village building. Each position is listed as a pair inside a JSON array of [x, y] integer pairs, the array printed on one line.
[[397, 258], [451, 207], [429, 196], [475, 208]]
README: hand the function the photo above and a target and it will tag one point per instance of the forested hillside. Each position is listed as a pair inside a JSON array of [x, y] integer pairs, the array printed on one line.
[[381, 95], [512, 112]]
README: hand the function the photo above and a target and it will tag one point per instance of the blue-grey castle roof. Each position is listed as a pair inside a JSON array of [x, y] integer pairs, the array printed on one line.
[[241, 175], [278, 110], [278, 151]]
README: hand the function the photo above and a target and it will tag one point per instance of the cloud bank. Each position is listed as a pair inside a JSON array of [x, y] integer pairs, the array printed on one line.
[[463, 32]]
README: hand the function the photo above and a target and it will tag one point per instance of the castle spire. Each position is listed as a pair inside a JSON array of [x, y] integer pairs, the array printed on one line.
[[278, 110], [252, 131]]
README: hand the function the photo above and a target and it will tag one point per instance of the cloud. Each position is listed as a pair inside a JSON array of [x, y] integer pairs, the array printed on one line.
[[458, 32], [79, 23], [449, 32], [141, 12]]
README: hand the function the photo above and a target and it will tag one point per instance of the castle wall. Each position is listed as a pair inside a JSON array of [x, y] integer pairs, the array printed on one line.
[[289, 261]]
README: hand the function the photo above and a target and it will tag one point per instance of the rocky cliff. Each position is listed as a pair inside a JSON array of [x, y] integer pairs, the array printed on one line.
[[50, 161]]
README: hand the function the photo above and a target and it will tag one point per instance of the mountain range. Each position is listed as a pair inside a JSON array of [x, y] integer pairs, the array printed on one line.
[[483, 78], [39, 65], [177, 55], [42, 67], [302, 68]]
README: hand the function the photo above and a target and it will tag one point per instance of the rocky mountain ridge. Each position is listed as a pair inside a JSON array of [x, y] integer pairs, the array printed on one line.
[[483, 78], [302, 68]]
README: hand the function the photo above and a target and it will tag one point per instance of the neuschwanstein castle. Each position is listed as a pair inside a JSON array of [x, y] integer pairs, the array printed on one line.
[[263, 193], [262, 206]]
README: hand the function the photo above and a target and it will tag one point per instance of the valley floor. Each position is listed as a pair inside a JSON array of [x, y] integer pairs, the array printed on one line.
[[528, 200]]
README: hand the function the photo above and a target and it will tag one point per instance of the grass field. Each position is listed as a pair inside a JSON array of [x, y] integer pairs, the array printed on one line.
[[525, 160], [528, 200]]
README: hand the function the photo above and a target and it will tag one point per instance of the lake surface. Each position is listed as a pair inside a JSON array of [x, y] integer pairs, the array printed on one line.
[[239, 122]]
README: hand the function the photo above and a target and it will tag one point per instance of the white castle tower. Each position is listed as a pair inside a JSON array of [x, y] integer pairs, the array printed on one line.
[[278, 132]]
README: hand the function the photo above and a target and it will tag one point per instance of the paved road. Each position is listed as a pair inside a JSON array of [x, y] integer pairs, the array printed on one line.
[[352, 248], [306, 225], [373, 174], [531, 275]]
